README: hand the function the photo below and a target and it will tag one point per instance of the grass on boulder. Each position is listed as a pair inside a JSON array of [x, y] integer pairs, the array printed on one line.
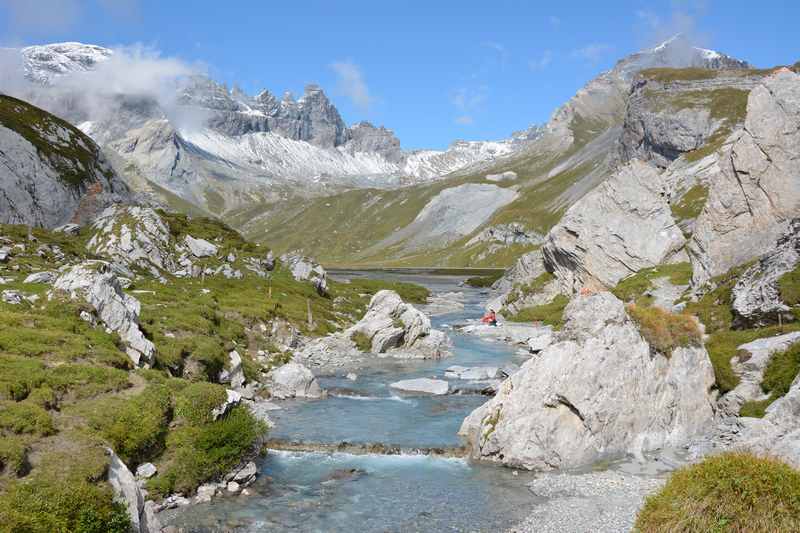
[[779, 374], [736, 492], [665, 331], [362, 341], [551, 313], [634, 287], [789, 287]]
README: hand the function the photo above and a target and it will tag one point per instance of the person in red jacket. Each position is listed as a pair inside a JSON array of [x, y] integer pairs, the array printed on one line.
[[490, 318]]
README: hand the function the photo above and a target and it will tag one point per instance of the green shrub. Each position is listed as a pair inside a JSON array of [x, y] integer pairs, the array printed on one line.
[[551, 313], [65, 493], [196, 401], [362, 340], [13, 454], [196, 454], [134, 427], [735, 492], [25, 417], [665, 331], [690, 204], [409, 292]]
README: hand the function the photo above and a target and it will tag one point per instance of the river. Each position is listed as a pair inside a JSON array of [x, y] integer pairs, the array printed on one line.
[[333, 492]]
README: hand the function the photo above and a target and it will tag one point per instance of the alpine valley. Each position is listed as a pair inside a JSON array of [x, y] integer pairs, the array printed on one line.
[[235, 312]]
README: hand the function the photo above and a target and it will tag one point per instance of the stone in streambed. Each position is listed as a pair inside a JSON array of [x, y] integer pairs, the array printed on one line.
[[436, 387]]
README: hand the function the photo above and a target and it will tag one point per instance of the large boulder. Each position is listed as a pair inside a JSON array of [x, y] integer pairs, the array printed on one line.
[[601, 391], [756, 296], [128, 493], [621, 227], [436, 387], [200, 247], [95, 283], [306, 269], [399, 329], [757, 191], [293, 380], [133, 236]]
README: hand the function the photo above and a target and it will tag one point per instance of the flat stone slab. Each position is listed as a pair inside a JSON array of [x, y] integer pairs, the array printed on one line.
[[436, 387], [471, 373]]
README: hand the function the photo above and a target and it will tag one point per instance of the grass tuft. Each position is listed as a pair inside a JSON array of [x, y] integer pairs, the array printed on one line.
[[665, 331], [736, 492], [551, 313]]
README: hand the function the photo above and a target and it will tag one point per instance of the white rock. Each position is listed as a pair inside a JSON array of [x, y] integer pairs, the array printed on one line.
[[233, 487], [205, 493], [508, 175], [234, 374], [128, 493], [232, 399], [69, 229], [12, 297], [293, 380], [306, 269], [146, 470], [600, 391], [41, 277], [424, 385], [94, 282]]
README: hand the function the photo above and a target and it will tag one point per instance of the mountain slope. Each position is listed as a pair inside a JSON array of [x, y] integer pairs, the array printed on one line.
[[50, 172], [201, 140], [574, 152]]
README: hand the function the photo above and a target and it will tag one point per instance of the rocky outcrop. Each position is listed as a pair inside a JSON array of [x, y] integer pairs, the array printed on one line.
[[293, 380], [234, 373], [306, 269], [133, 236], [95, 283], [757, 192], [756, 295], [748, 364], [621, 227], [50, 172], [200, 248], [128, 493], [396, 328], [527, 267], [507, 234], [600, 391]]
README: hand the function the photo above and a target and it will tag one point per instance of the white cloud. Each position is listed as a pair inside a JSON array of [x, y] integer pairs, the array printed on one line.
[[464, 120], [541, 62], [467, 102], [554, 21], [350, 83], [593, 52]]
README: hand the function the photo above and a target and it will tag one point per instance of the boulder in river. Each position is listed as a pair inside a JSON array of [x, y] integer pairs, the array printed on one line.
[[600, 391], [293, 380], [436, 387]]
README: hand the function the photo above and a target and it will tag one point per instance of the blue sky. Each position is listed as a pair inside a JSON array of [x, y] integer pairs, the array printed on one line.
[[433, 71]]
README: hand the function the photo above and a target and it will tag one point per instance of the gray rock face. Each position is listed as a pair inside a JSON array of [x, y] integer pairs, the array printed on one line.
[[399, 329], [127, 492], [12, 297], [756, 298], [666, 120], [749, 363], [232, 399], [527, 267], [598, 392], [507, 234], [293, 380], [777, 434], [437, 387], [306, 269], [50, 172], [133, 236], [364, 137], [757, 191], [93, 282], [621, 227], [234, 374]]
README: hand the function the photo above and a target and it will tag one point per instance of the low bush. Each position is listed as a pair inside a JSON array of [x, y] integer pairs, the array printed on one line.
[[25, 418], [483, 281], [134, 427], [196, 454], [735, 492], [551, 313], [665, 331], [195, 402], [13, 454], [65, 493]]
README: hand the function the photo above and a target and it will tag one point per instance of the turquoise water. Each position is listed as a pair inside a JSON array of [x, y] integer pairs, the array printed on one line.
[[301, 491]]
